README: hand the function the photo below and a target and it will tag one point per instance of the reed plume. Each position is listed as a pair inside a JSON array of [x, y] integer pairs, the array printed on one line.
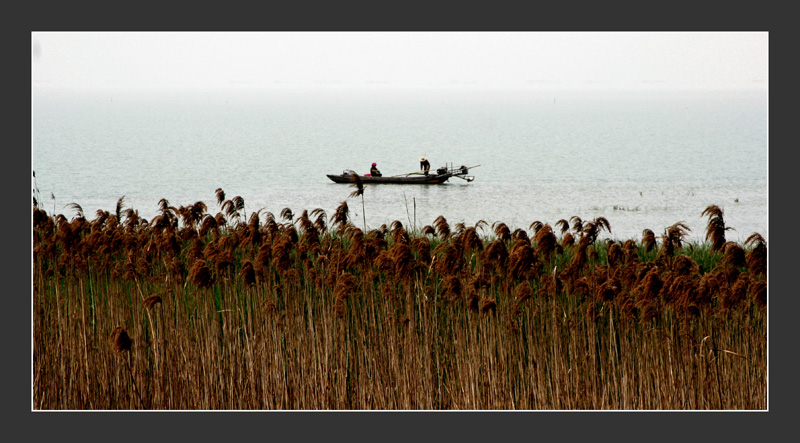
[[496, 253], [567, 240], [648, 240], [151, 301], [614, 254], [452, 287], [442, 228], [562, 225], [449, 259], [488, 305], [737, 293], [591, 230], [358, 184], [469, 240], [684, 265], [78, 210], [672, 238], [733, 255], [319, 220], [758, 292], [502, 231], [208, 224], [715, 230], [577, 224], [757, 257], [200, 274], [523, 291], [346, 284], [341, 216], [520, 234], [545, 241], [521, 259], [120, 340]]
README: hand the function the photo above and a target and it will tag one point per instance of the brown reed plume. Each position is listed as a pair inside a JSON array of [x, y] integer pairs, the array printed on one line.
[[648, 240], [281, 252], [208, 224], [448, 259], [220, 196], [346, 284], [549, 286], [200, 274], [614, 254], [591, 230], [496, 254], [577, 224], [120, 340], [672, 238], [341, 216], [319, 220], [629, 248], [469, 240], [402, 260], [358, 184], [535, 226], [523, 291], [502, 231], [737, 293], [521, 259], [562, 225], [304, 222], [151, 301], [684, 265], [488, 305], [421, 246], [650, 285], [757, 257], [546, 242], [715, 230], [452, 287], [167, 215], [248, 273], [568, 240], [442, 228], [733, 255], [78, 210], [758, 292]]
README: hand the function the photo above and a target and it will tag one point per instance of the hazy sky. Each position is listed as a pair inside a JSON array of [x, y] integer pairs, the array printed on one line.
[[400, 59]]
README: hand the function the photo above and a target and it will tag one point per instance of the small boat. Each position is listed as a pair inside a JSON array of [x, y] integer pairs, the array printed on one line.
[[412, 178]]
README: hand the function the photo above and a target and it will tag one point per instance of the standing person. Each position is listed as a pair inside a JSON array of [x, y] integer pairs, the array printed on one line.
[[374, 171], [424, 165]]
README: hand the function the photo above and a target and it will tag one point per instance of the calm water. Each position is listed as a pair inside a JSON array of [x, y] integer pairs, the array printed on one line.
[[640, 159]]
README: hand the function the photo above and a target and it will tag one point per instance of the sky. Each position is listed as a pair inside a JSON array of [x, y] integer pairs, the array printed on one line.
[[505, 60]]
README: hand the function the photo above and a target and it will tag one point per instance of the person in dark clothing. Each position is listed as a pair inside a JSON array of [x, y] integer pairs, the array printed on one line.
[[374, 171], [424, 165]]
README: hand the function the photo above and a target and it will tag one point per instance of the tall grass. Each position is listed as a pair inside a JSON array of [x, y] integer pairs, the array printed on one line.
[[223, 312]]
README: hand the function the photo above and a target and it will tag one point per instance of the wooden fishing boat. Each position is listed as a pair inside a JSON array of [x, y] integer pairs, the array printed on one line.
[[412, 178]]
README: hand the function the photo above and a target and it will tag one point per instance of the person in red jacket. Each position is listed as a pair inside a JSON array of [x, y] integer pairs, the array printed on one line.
[[374, 171]]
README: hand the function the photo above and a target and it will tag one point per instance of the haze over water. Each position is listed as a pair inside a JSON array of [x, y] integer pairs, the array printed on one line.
[[641, 159]]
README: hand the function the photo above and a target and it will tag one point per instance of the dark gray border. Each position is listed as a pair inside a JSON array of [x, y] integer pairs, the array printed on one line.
[[304, 15]]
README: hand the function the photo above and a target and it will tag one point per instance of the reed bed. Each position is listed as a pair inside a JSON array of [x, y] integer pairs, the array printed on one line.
[[194, 311]]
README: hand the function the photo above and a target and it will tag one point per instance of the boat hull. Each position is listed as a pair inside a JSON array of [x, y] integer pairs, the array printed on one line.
[[402, 180]]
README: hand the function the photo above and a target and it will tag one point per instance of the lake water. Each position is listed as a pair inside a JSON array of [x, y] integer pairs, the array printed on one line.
[[640, 159]]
